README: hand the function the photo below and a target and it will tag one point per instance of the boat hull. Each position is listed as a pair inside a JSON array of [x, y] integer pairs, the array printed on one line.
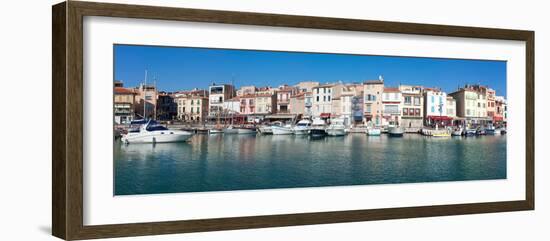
[[246, 131], [230, 131], [396, 131], [266, 130], [317, 132], [301, 131], [336, 132], [154, 137], [374, 132], [277, 130], [215, 131]]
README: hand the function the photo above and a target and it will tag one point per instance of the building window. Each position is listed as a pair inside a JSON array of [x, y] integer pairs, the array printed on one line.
[[369, 108], [329, 98], [408, 100], [416, 100], [324, 98], [433, 99], [317, 96], [405, 111], [433, 108]]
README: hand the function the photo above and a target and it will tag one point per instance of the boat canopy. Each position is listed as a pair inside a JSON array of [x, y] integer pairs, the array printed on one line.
[[155, 126], [138, 122]]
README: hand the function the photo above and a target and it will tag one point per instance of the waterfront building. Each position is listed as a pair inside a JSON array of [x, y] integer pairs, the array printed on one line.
[[232, 106], [166, 106], [306, 86], [322, 99], [192, 106], [266, 103], [471, 104], [218, 93], [451, 107], [435, 107], [124, 101], [412, 109], [248, 105], [297, 104], [500, 110], [308, 104], [348, 100], [246, 90], [391, 106], [372, 101], [283, 98], [491, 105], [146, 101]]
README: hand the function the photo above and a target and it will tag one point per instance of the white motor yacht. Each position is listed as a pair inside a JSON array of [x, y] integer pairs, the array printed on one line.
[[282, 130], [318, 128], [152, 132], [302, 127], [373, 131], [336, 128]]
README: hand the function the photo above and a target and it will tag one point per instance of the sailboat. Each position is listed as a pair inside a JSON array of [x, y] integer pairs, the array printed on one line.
[[218, 128]]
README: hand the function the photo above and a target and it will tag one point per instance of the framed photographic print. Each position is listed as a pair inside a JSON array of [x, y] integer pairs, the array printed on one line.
[[171, 120]]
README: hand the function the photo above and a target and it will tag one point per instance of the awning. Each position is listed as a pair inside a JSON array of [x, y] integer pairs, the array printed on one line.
[[498, 118], [325, 115], [439, 118], [281, 116]]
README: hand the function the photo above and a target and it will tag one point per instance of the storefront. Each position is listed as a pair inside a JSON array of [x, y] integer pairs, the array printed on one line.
[[439, 120]]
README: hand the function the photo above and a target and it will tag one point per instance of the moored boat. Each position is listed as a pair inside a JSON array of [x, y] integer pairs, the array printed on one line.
[[481, 132], [246, 130], [442, 134], [266, 130], [152, 132], [302, 127], [215, 131], [457, 133], [336, 128], [490, 130], [230, 130], [373, 131], [282, 130], [318, 127], [396, 131], [470, 132]]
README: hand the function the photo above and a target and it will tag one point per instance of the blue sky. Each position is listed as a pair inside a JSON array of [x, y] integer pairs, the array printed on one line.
[[181, 68]]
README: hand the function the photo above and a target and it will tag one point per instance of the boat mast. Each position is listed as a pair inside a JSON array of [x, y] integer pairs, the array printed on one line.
[[144, 95], [155, 88]]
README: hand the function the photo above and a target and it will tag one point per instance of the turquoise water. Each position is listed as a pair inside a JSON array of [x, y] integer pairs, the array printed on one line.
[[244, 162]]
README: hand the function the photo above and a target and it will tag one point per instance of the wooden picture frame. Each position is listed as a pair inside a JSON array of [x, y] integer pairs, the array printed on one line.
[[67, 123]]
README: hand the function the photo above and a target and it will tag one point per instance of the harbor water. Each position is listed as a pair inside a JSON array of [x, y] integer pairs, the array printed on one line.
[[247, 162]]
